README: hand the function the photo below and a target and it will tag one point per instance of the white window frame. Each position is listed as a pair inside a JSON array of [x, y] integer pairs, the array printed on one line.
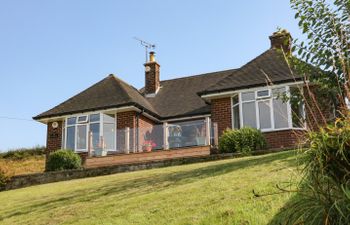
[[239, 110], [265, 98], [88, 129]]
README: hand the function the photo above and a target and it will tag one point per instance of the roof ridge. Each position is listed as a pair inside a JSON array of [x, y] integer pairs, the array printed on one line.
[[198, 75], [124, 82], [260, 55]]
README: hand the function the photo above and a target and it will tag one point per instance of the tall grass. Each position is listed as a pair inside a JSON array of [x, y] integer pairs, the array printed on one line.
[[323, 196], [22, 161], [23, 153]]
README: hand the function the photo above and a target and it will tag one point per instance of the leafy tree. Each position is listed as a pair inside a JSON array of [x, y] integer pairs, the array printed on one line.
[[326, 25]]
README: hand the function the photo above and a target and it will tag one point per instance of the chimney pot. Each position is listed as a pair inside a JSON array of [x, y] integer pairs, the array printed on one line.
[[152, 57]]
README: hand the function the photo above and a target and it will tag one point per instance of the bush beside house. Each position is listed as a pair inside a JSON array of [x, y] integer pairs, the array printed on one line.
[[63, 160], [244, 140]]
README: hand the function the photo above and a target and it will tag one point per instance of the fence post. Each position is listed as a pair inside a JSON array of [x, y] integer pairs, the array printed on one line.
[[127, 140], [207, 130], [165, 136]]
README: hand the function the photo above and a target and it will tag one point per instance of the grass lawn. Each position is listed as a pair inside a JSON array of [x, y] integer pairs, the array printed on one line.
[[32, 164], [217, 192]]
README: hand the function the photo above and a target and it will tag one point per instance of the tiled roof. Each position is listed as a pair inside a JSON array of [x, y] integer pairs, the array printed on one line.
[[268, 68], [178, 97], [108, 93]]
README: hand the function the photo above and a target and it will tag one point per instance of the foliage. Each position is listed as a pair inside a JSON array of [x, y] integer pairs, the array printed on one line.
[[4, 178], [324, 195], [23, 153], [63, 160], [326, 25], [244, 140]]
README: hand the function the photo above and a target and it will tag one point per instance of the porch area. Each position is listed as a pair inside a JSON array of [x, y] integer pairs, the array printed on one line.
[[150, 142]]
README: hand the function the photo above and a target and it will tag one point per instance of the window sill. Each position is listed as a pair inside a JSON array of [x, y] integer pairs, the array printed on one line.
[[283, 129]]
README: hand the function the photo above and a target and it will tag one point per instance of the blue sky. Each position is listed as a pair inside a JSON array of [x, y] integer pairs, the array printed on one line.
[[51, 50]]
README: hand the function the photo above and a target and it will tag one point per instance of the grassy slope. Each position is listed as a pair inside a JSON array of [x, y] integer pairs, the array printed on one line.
[[205, 193], [32, 164]]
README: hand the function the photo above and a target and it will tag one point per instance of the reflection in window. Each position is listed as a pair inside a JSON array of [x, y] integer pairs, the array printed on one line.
[[268, 112], [79, 129], [249, 114], [70, 138], [81, 137], [109, 133], [264, 114]]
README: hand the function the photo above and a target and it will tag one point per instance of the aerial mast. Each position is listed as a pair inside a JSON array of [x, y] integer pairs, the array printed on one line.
[[148, 46]]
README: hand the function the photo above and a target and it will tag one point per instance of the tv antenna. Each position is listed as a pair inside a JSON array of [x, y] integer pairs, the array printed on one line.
[[147, 46]]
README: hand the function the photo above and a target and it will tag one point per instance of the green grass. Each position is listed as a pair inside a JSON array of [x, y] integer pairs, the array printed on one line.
[[217, 192]]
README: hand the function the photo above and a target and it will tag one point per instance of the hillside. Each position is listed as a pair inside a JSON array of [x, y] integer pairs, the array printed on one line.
[[217, 192]]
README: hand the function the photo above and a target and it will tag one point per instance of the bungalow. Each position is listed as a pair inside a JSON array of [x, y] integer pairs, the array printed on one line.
[[184, 114]]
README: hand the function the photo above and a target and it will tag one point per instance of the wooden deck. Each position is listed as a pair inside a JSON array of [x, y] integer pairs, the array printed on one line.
[[94, 162]]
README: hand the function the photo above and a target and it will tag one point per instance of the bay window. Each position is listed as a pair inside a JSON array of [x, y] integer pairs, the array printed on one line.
[[98, 128], [267, 109]]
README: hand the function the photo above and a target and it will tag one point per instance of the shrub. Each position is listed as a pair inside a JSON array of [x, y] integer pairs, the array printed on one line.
[[63, 160], [244, 140], [23, 153], [324, 193], [4, 178]]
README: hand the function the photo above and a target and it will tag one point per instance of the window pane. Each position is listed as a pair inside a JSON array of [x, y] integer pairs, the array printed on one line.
[[248, 96], [95, 130], [235, 100], [279, 92], [264, 114], [109, 136], [249, 114], [297, 105], [108, 118], [71, 121], [94, 118], [70, 138], [81, 137], [280, 113], [298, 117], [263, 93], [82, 119], [236, 122]]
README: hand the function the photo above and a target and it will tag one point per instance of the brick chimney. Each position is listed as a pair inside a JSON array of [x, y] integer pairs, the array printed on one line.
[[281, 40], [152, 82]]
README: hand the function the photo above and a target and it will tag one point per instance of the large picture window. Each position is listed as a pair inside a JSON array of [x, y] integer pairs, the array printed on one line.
[[267, 109], [99, 129]]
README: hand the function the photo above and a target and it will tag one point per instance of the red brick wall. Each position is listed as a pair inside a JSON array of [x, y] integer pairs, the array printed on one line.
[[221, 113], [283, 139], [126, 119], [54, 137]]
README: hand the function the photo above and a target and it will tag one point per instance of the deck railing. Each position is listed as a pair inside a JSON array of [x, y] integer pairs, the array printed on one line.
[[164, 136]]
